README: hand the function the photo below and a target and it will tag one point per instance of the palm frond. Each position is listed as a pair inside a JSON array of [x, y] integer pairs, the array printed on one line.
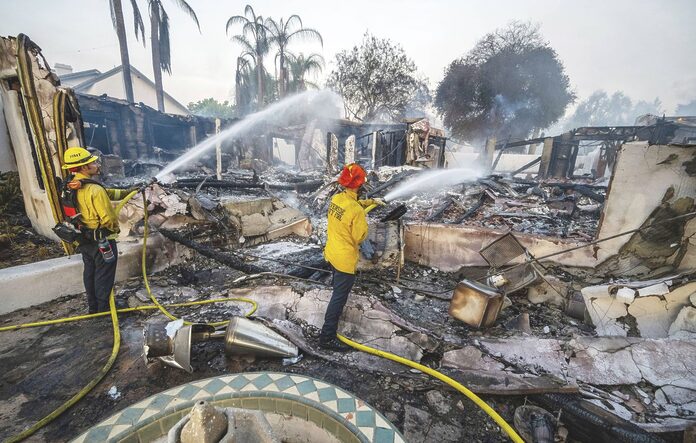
[[272, 26], [306, 34], [248, 10], [234, 20], [165, 52], [189, 11], [138, 21], [112, 9], [244, 42], [296, 18]]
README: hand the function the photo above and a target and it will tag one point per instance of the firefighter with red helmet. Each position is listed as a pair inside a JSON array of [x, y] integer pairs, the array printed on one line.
[[347, 228]]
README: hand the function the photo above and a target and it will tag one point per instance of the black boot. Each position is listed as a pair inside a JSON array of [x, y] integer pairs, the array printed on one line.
[[333, 344]]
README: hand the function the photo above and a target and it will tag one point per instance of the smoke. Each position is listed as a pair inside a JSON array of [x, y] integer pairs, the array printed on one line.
[[303, 107], [430, 180]]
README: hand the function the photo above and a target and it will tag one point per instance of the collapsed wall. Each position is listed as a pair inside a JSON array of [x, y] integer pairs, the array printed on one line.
[[644, 189]]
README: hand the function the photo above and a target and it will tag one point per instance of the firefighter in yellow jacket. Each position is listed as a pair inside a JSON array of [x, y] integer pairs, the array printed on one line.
[[98, 222], [347, 228]]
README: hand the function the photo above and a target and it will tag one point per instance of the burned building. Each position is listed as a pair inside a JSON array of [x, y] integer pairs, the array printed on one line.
[[580, 288]]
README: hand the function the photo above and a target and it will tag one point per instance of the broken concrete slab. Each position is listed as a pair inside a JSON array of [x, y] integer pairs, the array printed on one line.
[[655, 314], [684, 326], [675, 395], [656, 289], [544, 354], [666, 362], [285, 215], [603, 361], [255, 224], [470, 358], [604, 309]]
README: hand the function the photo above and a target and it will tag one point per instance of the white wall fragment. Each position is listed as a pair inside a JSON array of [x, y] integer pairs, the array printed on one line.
[[656, 289], [626, 295]]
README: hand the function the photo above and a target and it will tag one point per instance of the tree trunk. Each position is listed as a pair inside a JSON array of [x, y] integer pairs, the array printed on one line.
[[282, 89], [123, 45], [259, 80], [156, 68]]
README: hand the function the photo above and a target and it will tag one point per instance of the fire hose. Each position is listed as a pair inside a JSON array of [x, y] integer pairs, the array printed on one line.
[[113, 312], [156, 305]]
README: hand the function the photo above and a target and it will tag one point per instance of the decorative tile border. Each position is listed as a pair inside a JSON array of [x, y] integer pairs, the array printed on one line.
[[329, 407]]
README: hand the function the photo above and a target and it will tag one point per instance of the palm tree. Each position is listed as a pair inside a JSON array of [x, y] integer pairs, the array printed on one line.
[[120, 27], [254, 42], [243, 85], [300, 68], [282, 34], [159, 40]]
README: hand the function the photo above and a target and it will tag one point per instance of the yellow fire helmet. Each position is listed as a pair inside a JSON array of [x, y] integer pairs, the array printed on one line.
[[77, 156]]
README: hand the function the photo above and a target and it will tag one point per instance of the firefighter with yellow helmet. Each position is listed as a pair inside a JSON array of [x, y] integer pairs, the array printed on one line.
[[87, 206], [347, 228]]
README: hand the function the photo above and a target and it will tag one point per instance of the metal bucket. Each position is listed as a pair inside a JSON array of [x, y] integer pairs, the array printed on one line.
[[246, 337], [475, 304]]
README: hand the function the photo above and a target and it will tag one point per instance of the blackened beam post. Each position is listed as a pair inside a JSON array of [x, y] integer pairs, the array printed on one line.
[[500, 154], [473, 209], [435, 215], [218, 184], [230, 260], [528, 165]]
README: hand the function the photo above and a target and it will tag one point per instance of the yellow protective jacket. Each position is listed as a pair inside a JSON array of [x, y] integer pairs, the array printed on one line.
[[346, 230], [94, 205]]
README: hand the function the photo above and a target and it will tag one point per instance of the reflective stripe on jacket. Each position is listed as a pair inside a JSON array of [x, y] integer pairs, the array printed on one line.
[[94, 205], [347, 228]]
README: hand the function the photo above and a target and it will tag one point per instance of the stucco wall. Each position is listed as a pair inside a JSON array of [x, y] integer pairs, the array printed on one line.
[[7, 159]]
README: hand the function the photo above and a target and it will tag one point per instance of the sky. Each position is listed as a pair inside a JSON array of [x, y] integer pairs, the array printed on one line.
[[643, 48]]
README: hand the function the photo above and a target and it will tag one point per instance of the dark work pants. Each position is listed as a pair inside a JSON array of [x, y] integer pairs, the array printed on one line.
[[98, 276], [342, 284]]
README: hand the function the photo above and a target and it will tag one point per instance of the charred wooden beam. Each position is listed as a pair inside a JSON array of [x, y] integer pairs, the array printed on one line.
[[308, 186], [473, 209], [441, 210], [230, 260], [589, 422], [528, 165], [192, 183]]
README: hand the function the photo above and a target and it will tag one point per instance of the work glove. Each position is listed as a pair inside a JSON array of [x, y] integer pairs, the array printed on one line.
[[379, 201]]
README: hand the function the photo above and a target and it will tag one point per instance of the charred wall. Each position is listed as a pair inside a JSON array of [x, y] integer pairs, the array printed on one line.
[[133, 131]]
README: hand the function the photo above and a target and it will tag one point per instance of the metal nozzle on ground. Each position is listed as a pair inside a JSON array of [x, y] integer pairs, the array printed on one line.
[[171, 342]]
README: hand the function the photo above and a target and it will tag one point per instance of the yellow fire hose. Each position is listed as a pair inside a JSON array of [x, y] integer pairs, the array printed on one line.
[[442, 377], [156, 305], [116, 346]]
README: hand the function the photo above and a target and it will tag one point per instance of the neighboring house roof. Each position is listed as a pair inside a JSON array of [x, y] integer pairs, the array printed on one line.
[[85, 85], [75, 78]]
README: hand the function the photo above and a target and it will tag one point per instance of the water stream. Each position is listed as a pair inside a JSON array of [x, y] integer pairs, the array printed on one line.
[[309, 104], [433, 179]]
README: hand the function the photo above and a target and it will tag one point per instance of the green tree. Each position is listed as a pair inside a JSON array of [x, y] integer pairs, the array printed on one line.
[[687, 109], [617, 109], [209, 107], [159, 41], [281, 35], [255, 45], [120, 28], [377, 80], [510, 84], [300, 68]]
